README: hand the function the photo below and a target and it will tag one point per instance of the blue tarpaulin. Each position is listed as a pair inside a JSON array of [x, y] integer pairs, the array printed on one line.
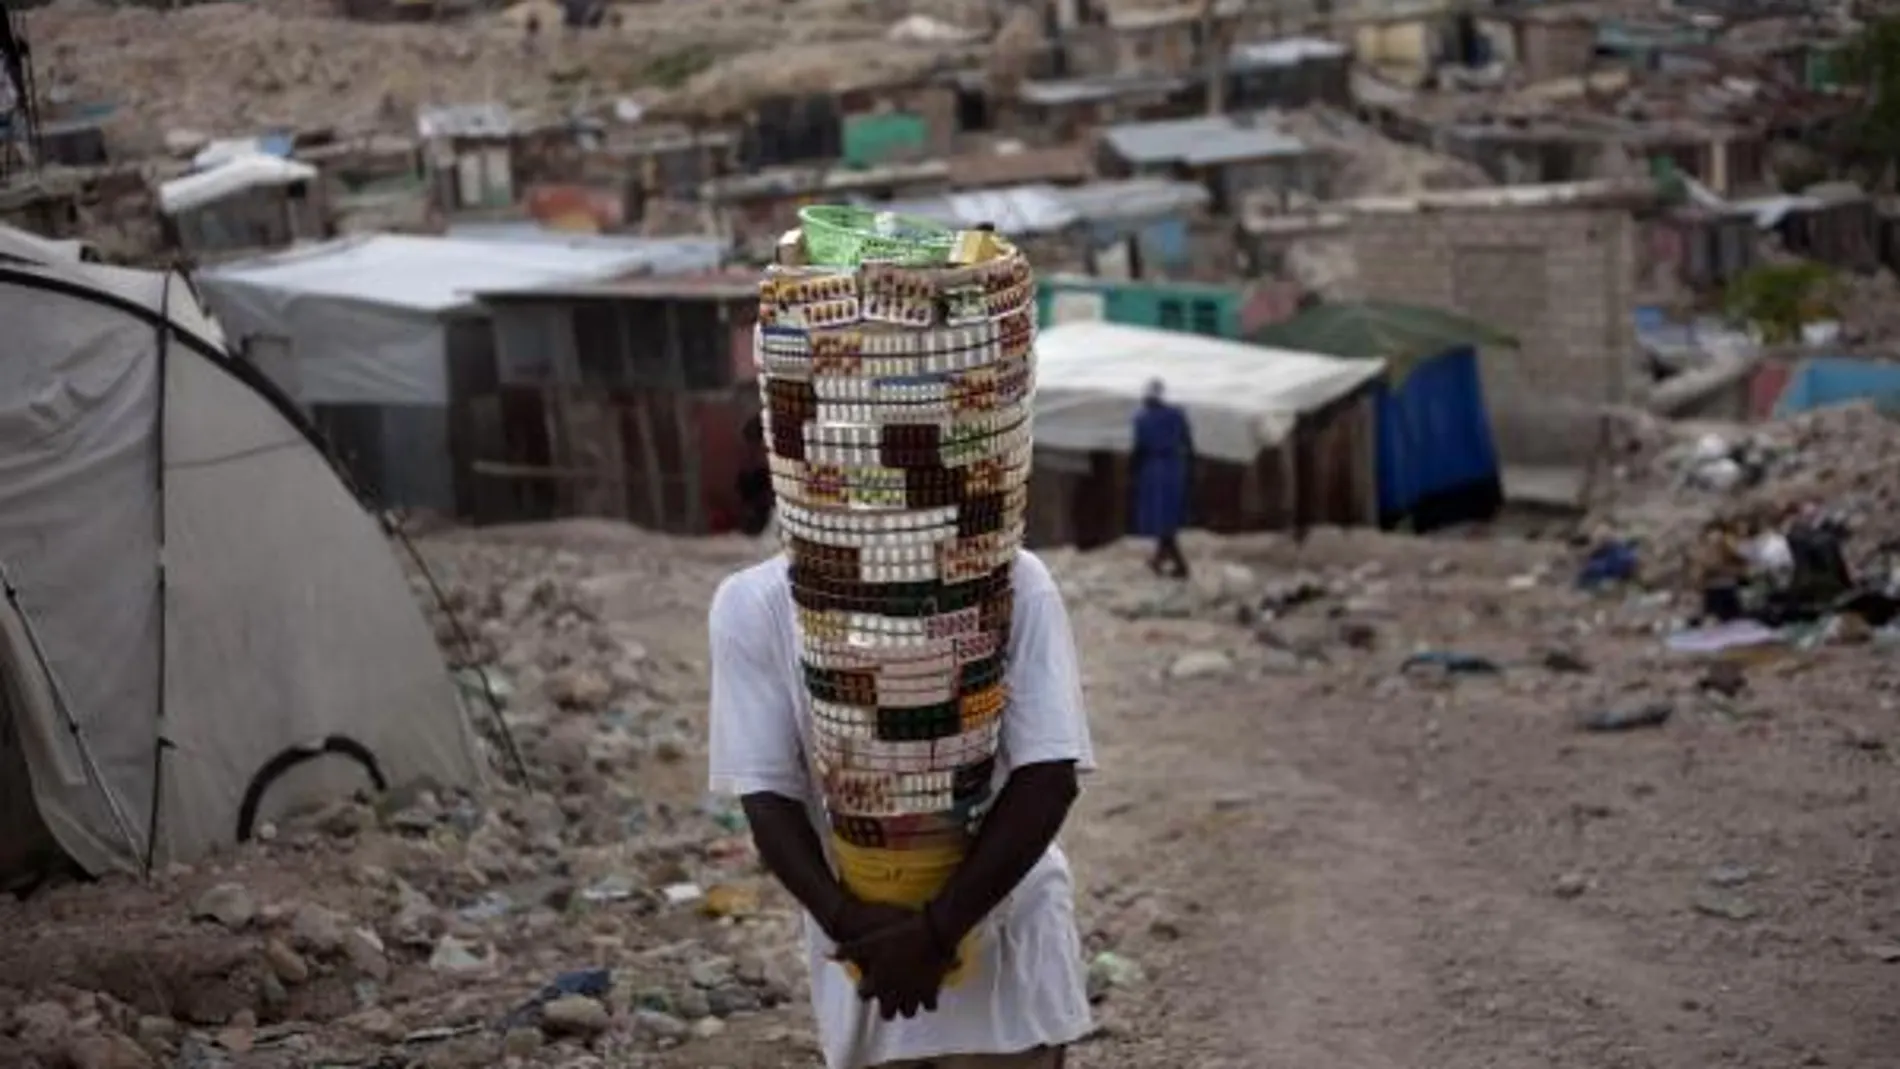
[[1833, 380], [1435, 443]]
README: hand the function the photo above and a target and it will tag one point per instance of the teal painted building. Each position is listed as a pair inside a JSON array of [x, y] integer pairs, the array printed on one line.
[[1189, 307]]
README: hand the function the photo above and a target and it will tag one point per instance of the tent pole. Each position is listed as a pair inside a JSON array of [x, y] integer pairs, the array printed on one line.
[[159, 742], [65, 711]]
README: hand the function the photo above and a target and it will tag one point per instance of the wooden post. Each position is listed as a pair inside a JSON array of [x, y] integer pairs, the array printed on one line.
[[1365, 454], [650, 458], [1213, 58]]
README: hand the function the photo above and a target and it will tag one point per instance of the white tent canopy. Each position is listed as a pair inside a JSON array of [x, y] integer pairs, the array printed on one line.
[[17, 244], [132, 449], [1240, 399], [361, 318], [232, 175]]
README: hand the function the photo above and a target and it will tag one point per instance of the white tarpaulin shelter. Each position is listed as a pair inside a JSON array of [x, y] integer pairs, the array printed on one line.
[[229, 176], [17, 244], [202, 626], [363, 317], [1240, 399]]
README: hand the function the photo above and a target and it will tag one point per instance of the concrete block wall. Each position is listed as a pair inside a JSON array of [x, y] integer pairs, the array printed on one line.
[[1558, 278]]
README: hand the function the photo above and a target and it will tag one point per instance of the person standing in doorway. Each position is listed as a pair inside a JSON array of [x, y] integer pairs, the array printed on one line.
[[1163, 464]]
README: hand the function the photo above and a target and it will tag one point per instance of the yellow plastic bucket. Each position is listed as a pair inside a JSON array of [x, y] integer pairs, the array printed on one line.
[[906, 878]]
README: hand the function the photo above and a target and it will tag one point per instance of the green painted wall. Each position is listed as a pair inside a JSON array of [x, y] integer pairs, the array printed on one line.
[[873, 139], [1196, 309]]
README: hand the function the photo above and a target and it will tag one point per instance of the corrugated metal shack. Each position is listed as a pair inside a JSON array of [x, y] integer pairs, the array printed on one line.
[[469, 154], [623, 399], [1066, 109], [1230, 154], [381, 339], [244, 206], [793, 129], [1292, 72], [757, 208], [1136, 223]]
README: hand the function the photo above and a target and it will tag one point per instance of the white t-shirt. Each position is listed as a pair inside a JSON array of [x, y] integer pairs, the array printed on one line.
[[1027, 988]]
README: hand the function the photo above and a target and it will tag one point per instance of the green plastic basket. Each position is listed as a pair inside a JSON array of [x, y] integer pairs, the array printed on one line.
[[841, 236]]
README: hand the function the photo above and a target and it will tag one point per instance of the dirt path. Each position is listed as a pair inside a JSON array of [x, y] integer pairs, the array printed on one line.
[[1339, 866], [1370, 875], [1318, 858]]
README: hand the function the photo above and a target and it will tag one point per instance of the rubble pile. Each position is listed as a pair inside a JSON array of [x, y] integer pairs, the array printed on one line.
[[607, 912], [1370, 164], [1677, 487], [582, 697], [1870, 306]]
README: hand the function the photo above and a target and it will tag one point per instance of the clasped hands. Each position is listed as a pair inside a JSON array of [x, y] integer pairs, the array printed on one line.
[[902, 954]]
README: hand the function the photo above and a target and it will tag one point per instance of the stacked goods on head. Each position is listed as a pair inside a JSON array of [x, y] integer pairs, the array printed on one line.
[[895, 364]]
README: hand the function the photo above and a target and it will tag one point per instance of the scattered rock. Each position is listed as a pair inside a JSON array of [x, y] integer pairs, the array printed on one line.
[[1887, 952], [1723, 677], [239, 1036], [692, 1004], [580, 688], [663, 1025], [457, 958], [575, 1015], [1730, 874], [733, 999], [230, 904], [1571, 885], [316, 930], [521, 1042], [42, 1025], [1726, 906], [708, 1027], [286, 964], [1201, 664], [366, 953], [710, 972]]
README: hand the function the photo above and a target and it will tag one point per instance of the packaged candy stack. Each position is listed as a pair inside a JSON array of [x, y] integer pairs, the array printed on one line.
[[895, 363]]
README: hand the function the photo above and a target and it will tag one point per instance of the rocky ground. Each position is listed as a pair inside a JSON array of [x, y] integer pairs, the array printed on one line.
[[1365, 801], [238, 68]]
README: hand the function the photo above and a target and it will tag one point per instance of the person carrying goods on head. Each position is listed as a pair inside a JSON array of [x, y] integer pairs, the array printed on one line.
[[895, 698]]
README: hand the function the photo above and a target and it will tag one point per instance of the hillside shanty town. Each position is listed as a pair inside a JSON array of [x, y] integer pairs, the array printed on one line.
[[387, 387]]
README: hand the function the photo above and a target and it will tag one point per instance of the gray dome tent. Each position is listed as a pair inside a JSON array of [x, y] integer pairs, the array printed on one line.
[[195, 603]]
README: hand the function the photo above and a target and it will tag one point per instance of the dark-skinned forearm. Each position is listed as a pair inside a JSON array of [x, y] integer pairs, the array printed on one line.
[[1015, 834], [782, 831]]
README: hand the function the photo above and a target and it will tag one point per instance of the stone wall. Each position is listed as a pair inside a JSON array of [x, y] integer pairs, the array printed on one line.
[[1558, 277]]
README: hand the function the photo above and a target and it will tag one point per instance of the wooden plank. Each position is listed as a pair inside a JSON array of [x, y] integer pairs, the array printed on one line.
[[650, 455], [686, 425], [1365, 457]]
